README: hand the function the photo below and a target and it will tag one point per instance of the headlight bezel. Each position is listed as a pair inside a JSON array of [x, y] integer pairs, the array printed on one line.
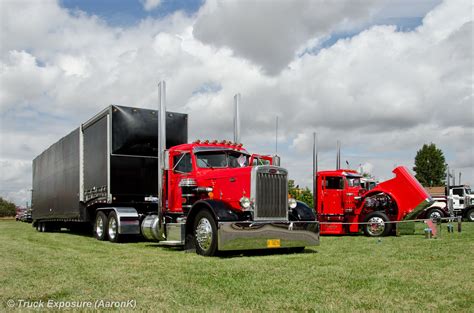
[[292, 203]]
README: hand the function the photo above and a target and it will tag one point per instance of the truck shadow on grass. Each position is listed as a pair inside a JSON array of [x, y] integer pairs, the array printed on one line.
[[239, 253]]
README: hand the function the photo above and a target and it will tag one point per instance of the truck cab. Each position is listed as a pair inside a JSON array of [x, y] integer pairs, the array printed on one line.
[[462, 201], [216, 197]]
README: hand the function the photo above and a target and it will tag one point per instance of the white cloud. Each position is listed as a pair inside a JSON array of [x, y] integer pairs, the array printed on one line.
[[383, 92], [270, 32], [150, 5]]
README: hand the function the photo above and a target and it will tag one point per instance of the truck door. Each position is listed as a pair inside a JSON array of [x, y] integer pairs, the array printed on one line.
[[332, 195], [458, 198], [181, 167]]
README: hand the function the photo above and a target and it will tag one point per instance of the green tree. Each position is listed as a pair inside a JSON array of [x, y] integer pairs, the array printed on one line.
[[301, 194], [430, 166], [7, 208]]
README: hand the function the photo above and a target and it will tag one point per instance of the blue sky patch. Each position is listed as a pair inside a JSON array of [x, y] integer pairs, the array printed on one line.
[[130, 12]]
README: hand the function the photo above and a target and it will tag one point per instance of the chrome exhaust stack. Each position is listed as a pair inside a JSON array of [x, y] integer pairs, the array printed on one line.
[[237, 118], [152, 226]]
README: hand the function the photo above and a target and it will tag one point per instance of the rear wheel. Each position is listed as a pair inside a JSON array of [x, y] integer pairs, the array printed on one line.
[[470, 215], [377, 225], [112, 231], [100, 226], [205, 234]]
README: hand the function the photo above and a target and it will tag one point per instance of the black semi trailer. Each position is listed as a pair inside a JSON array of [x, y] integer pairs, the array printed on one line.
[[109, 161]]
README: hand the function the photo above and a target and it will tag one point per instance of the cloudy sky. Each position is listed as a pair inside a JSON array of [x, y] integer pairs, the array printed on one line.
[[383, 77]]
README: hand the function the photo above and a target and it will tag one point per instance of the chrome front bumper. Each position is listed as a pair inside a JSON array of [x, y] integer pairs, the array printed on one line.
[[265, 235]]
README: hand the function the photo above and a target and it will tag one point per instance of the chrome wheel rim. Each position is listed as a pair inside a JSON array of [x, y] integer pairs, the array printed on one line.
[[471, 216], [376, 226], [435, 215], [204, 233], [112, 228], [99, 226]]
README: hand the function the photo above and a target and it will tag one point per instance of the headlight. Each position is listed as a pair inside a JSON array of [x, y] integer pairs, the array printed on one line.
[[245, 202], [291, 203]]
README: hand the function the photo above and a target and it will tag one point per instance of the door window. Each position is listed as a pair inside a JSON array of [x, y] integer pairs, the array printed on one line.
[[458, 192], [182, 163], [334, 183]]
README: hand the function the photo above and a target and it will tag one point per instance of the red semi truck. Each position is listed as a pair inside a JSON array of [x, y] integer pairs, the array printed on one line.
[[340, 199], [130, 171]]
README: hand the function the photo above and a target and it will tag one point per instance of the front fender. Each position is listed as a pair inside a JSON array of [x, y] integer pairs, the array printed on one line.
[[302, 212]]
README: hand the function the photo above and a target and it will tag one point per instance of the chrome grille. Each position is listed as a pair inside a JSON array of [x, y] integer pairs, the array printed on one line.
[[271, 193]]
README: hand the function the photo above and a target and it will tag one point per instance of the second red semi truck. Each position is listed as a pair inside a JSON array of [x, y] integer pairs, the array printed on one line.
[[341, 202], [130, 171]]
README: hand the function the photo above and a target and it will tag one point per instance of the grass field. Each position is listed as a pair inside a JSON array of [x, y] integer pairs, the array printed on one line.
[[351, 273]]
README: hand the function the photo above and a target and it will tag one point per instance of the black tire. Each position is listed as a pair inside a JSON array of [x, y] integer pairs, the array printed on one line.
[[296, 250], [112, 228], [205, 234], [100, 226], [470, 215], [38, 227], [379, 226], [434, 214], [43, 227]]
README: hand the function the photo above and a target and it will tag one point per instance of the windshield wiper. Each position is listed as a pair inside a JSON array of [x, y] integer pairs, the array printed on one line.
[[208, 165]]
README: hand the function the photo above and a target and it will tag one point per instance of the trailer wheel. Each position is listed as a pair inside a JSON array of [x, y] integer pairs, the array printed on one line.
[[38, 227], [112, 229], [100, 226], [435, 214], [43, 227], [377, 226], [205, 234], [470, 215]]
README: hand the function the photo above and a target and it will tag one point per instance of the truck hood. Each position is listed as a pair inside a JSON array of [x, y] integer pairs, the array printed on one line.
[[229, 184]]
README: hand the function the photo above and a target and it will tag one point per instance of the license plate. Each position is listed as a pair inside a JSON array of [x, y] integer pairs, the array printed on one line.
[[273, 243]]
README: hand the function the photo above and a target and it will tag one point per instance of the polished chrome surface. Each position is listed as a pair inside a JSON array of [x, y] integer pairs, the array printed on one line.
[[420, 207], [187, 182], [376, 226], [150, 228], [255, 235], [99, 228], [435, 215], [112, 227], [204, 233], [237, 118], [175, 232], [269, 191]]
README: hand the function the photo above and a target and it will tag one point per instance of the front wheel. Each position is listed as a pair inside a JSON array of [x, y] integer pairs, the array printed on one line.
[[377, 225], [205, 234], [470, 215]]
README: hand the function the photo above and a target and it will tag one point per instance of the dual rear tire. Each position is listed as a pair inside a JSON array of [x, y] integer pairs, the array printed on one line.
[[106, 227]]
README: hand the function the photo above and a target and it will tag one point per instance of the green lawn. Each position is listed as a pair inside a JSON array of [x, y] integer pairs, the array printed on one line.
[[351, 273]]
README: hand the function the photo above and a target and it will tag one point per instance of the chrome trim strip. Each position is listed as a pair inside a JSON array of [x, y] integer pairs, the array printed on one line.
[[109, 151], [420, 207], [96, 117], [255, 235], [81, 164]]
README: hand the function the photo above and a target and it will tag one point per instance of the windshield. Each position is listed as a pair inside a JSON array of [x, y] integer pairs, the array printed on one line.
[[221, 159], [353, 182], [468, 191]]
